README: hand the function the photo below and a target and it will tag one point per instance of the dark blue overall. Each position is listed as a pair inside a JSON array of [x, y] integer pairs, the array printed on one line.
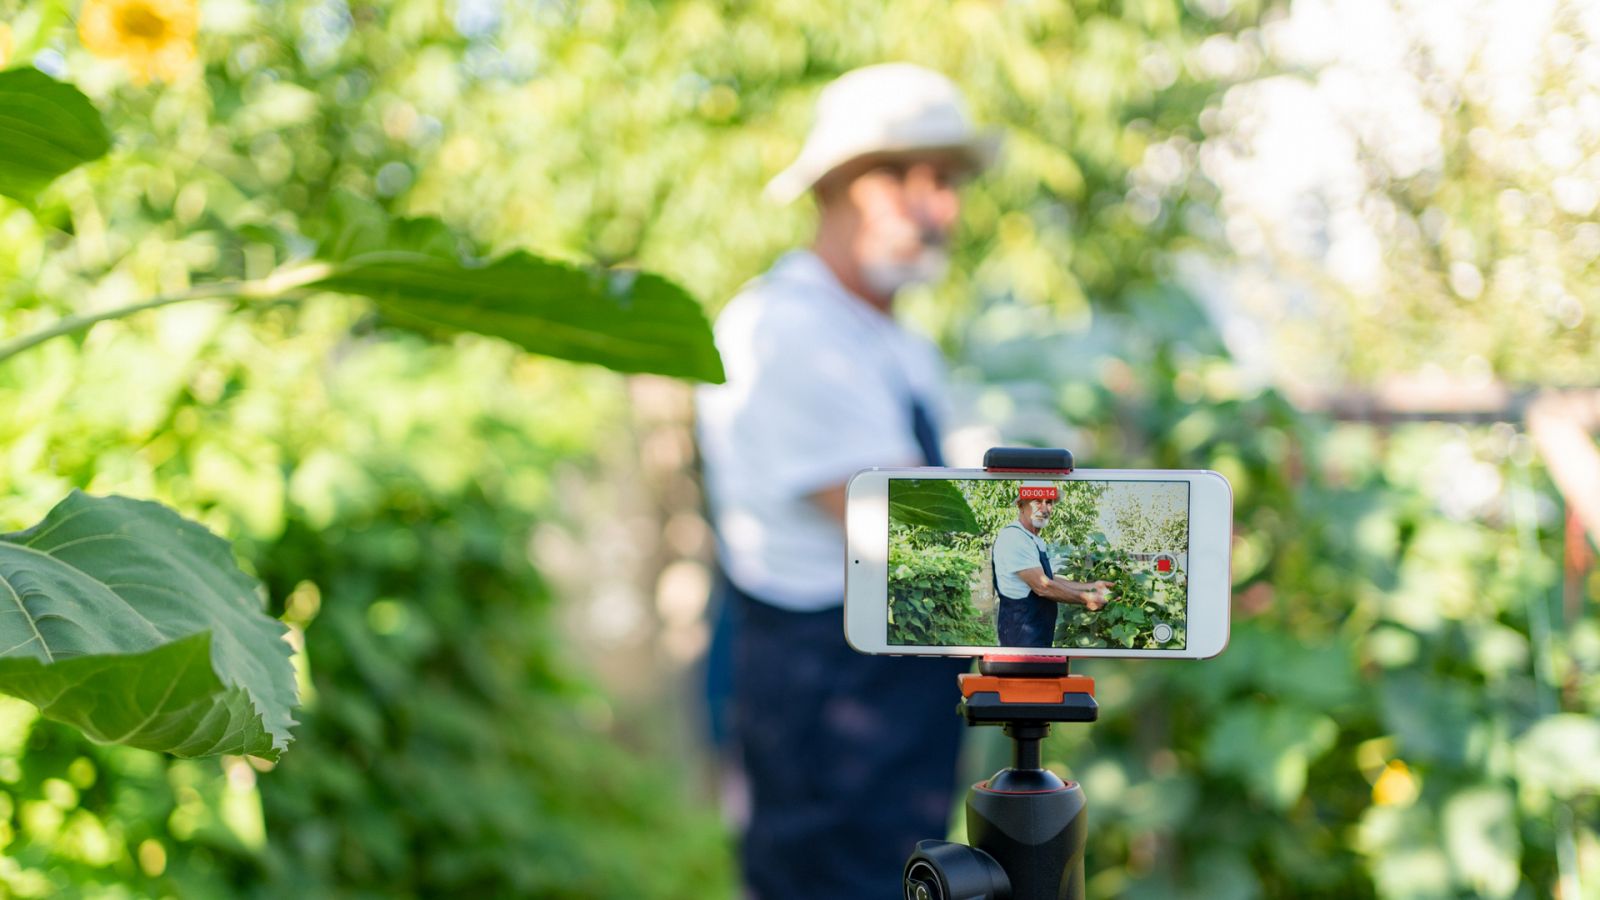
[[850, 758], [1025, 621]]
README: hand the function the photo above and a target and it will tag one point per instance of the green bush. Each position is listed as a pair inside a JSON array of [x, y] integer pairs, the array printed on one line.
[[446, 749], [448, 717], [1140, 599], [450, 744], [930, 598]]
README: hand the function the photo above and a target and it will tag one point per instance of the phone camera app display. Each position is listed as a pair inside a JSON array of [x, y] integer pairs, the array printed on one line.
[[1035, 563]]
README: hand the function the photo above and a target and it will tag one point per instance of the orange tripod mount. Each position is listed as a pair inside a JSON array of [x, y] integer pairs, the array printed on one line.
[[1026, 826]]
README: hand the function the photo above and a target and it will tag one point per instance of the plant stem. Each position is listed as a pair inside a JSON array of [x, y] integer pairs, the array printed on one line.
[[274, 285]]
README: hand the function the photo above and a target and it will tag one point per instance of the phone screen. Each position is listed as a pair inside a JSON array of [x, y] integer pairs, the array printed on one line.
[[1038, 563]]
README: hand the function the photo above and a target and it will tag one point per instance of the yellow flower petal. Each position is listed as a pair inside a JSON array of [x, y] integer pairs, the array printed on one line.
[[1396, 786], [153, 38]]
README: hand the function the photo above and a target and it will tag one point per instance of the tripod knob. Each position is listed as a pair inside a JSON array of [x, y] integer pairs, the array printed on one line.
[[940, 870]]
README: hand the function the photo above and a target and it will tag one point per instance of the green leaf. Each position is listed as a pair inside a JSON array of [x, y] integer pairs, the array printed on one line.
[[1481, 834], [122, 619], [1561, 754], [623, 320], [933, 504], [47, 128], [1269, 748], [1430, 717], [1407, 860]]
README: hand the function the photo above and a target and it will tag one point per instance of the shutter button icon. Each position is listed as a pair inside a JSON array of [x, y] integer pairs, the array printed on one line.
[[1163, 632]]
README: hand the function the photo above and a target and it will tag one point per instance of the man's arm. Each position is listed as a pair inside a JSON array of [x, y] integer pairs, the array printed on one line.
[[832, 501], [1090, 594]]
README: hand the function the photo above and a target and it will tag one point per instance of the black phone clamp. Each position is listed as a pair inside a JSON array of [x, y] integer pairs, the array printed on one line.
[[1026, 826], [1028, 459]]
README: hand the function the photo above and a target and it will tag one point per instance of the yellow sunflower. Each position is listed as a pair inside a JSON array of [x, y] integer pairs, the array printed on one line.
[[154, 38]]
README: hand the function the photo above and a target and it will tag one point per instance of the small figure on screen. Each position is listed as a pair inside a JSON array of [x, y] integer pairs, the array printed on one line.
[[1029, 591]]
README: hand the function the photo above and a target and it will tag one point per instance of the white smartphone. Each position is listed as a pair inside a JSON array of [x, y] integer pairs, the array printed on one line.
[[970, 562]]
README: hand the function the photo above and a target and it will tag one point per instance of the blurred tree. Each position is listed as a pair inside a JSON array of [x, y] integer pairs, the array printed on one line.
[[1427, 200]]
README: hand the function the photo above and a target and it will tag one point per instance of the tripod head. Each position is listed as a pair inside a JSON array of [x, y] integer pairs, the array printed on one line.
[[1026, 825], [1024, 696]]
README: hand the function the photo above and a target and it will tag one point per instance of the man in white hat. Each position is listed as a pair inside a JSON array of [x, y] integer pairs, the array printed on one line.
[[850, 759], [1030, 592]]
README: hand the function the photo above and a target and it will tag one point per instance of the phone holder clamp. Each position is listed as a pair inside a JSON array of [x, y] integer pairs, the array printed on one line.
[[1028, 459]]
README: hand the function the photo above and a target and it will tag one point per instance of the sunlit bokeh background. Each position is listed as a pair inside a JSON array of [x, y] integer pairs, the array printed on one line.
[[1343, 252]]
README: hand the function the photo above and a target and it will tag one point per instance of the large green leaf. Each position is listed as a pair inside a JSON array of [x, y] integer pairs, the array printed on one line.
[[624, 320], [125, 620], [46, 128], [930, 503]]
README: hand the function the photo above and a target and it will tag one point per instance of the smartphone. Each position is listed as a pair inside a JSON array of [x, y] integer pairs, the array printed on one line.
[[970, 562]]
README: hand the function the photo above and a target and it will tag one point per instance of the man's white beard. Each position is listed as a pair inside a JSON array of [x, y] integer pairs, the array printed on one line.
[[888, 278], [1039, 521]]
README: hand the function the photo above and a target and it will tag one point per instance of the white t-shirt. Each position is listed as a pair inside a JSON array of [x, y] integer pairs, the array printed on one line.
[[1015, 549], [820, 386]]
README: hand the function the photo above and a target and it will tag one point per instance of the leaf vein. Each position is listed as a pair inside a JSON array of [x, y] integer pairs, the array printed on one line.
[[50, 657], [172, 685], [35, 538], [23, 644], [131, 608]]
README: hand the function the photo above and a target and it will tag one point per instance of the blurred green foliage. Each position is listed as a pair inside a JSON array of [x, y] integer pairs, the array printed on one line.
[[447, 743], [447, 722], [1404, 710], [1370, 727]]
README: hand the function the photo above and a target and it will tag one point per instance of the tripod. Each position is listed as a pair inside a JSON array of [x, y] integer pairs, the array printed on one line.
[[1026, 826]]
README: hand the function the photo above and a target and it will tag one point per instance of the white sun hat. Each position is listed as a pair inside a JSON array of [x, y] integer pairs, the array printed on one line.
[[886, 108]]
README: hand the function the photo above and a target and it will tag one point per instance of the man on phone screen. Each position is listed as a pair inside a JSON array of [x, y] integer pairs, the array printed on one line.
[[850, 759], [1030, 593]]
